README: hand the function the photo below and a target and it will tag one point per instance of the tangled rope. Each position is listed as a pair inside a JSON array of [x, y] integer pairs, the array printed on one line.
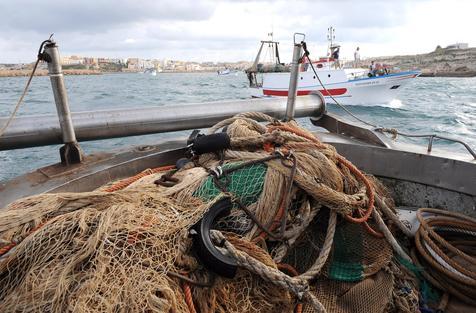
[[297, 286], [315, 269], [445, 245], [363, 217]]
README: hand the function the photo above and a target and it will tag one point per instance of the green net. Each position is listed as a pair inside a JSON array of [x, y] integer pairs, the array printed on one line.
[[429, 294], [355, 253], [346, 262], [246, 183]]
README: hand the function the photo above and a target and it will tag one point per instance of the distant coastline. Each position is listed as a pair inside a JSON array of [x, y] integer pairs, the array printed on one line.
[[20, 73], [23, 73], [442, 62]]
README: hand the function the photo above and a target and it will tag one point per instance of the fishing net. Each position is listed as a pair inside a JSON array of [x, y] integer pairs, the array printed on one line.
[[246, 184], [300, 229], [369, 295], [355, 253], [98, 252]]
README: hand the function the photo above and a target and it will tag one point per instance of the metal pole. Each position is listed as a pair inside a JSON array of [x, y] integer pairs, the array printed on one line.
[[293, 82], [71, 151], [32, 131], [254, 67]]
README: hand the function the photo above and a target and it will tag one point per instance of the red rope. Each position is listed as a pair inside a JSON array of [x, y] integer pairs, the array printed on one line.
[[126, 182], [187, 291], [283, 267]]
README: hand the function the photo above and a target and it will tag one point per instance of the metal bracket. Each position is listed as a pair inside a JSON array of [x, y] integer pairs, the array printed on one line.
[[337, 125], [71, 153]]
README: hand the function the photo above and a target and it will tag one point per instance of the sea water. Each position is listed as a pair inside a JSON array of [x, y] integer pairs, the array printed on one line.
[[445, 106]]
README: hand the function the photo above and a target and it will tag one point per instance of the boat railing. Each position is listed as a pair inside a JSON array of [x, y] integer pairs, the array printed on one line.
[[431, 138]]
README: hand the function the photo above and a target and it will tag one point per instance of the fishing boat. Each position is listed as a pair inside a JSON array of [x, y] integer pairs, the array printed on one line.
[[327, 75], [350, 87], [258, 214]]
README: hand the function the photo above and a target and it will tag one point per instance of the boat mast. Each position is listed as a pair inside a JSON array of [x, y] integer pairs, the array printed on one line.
[[274, 55], [254, 67], [271, 47], [330, 37]]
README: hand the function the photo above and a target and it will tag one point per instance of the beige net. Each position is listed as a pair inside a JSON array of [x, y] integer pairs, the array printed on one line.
[[127, 247], [112, 252]]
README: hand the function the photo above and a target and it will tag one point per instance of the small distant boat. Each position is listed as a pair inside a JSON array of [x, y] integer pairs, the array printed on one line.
[[151, 71], [227, 71], [224, 72]]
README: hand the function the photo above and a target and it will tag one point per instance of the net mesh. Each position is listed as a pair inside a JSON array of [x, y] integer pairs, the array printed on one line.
[[102, 257], [355, 253], [245, 183], [371, 294], [129, 250]]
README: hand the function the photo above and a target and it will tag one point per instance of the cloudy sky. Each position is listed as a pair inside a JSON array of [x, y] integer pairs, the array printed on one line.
[[206, 30]]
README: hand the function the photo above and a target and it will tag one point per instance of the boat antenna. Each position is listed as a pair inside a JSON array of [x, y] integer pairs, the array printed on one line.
[[330, 36]]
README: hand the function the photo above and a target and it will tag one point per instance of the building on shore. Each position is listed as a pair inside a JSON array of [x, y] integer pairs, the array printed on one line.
[[72, 60], [90, 61], [109, 61], [145, 64], [193, 67], [458, 45], [133, 64]]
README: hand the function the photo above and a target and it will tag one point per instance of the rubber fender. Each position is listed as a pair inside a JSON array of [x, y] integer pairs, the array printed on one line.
[[210, 143], [208, 254]]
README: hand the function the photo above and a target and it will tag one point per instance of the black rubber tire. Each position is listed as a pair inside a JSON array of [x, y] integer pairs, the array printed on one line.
[[206, 251]]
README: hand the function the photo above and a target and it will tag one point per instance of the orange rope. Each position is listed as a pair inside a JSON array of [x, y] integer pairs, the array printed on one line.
[[372, 231], [283, 267], [368, 190], [188, 297], [287, 268], [7, 248], [368, 187], [268, 146], [10, 246], [126, 182]]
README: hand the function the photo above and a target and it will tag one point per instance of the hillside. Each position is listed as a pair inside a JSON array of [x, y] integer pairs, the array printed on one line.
[[442, 62]]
